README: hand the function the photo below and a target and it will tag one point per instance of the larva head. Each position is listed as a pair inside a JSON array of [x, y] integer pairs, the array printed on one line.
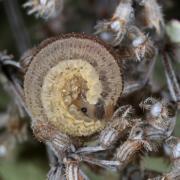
[[73, 82]]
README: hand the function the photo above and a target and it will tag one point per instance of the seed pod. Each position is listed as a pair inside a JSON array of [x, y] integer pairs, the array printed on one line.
[[151, 16], [73, 82], [141, 44], [119, 23]]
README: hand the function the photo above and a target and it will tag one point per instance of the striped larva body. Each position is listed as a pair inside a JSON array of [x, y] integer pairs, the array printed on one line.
[[141, 45], [172, 148], [69, 84], [161, 116]]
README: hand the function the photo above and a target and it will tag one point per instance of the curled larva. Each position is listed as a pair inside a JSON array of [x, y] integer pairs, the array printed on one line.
[[73, 82]]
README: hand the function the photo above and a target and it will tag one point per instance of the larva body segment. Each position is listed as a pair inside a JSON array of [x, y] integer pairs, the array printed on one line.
[[73, 82]]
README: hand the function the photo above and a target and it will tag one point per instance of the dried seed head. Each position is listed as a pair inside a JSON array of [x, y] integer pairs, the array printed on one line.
[[124, 112], [151, 16], [135, 143], [44, 8], [141, 44], [73, 82], [169, 110], [172, 146], [161, 116], [157, 108], [123, 118], [118, 24]]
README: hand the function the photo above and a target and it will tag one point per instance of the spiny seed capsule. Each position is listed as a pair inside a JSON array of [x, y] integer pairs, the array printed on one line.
[[73, 82]]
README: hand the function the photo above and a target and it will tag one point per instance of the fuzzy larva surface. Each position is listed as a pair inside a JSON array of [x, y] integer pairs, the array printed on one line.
[[73, 82]]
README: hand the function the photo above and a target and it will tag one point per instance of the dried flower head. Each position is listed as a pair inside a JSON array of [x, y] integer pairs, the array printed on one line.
[[118, 24], [141, 44], [136, 142], [44, 8], [172, 145], [151, 16], [161, 117]]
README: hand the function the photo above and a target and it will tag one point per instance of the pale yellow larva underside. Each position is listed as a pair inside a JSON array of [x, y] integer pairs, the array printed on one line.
[[61, 71], [51, 96]]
